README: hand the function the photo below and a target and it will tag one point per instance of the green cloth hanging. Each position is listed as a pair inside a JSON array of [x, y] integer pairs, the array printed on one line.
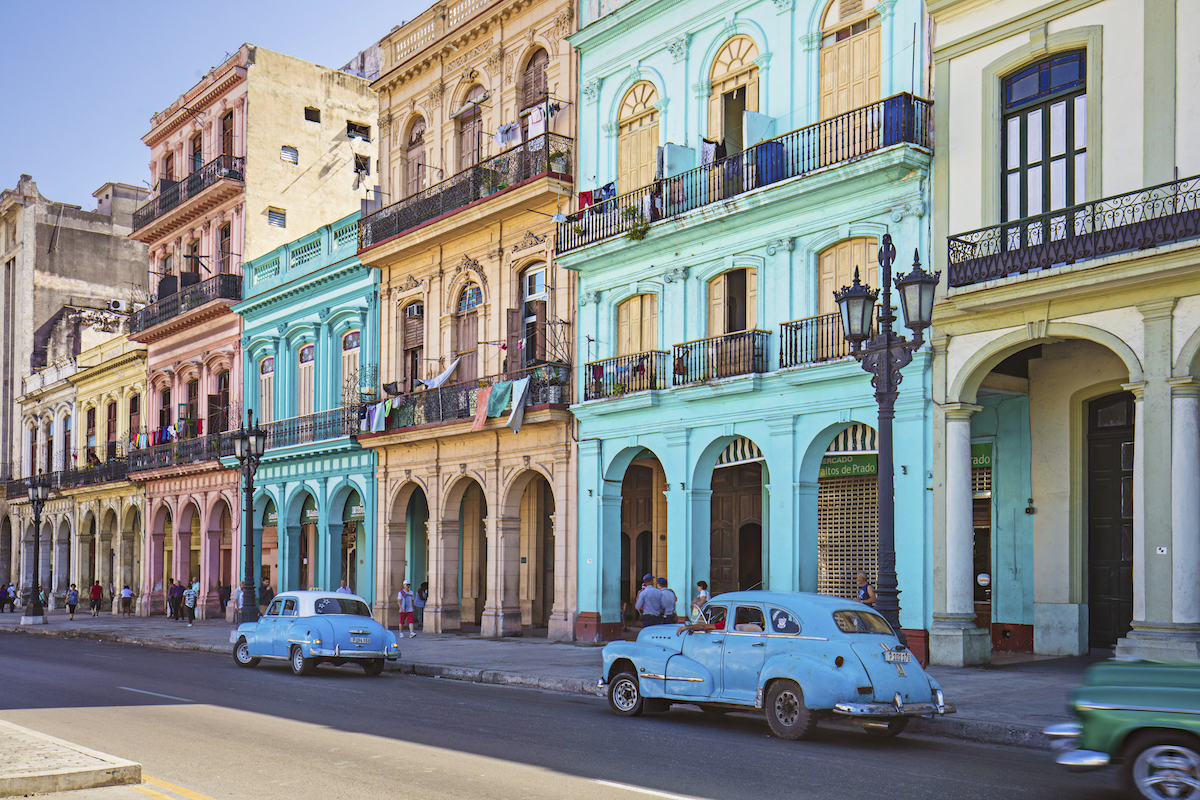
[[498, 399]]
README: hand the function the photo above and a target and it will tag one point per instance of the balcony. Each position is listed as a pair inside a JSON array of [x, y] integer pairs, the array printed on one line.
[[550, 383], [228, 171], [1159, 215], [116, 469], [184, 451], [640, 372], [812, 340], [895, 120], [16, 489], [224, 286], [332, 424], [548, 154], [741, 353]]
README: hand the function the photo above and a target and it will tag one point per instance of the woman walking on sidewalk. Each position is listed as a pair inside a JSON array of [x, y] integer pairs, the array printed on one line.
[[405, 598], [72, 600]]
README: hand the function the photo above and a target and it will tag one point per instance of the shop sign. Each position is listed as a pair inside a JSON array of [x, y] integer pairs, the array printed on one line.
[[354, 511], [981, 455], [844, 465], [270, 516], [308, 514]]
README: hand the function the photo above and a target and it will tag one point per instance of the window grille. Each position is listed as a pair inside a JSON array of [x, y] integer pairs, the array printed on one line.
[[289, 154], [277, 217]]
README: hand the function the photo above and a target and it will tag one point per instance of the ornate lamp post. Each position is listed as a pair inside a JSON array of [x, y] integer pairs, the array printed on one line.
[[249, 443], [39, 492], [884, 355]]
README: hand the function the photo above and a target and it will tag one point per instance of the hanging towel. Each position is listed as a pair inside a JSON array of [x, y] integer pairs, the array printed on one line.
[[606, 192], [387, 407], [519, 390], [481, 408], [434, 383], [498, 400], [585, 199], [537, 121], [379, 421], [708, 152]]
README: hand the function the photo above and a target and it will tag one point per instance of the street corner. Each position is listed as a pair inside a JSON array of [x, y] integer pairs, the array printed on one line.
[[35, 763]]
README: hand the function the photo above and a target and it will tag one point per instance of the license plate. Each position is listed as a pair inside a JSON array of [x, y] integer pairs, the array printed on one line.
[[367, 640], [893, 657]]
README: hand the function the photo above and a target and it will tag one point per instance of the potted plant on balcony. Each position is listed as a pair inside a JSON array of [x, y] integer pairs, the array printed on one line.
[[639, 226], [550, 380], [560, 162]]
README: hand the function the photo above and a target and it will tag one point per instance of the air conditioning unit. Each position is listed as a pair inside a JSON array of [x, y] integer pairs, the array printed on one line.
[[118, 305]]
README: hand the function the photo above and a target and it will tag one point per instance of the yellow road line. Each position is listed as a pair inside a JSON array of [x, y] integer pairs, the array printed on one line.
[[179, 790], [151, 793]]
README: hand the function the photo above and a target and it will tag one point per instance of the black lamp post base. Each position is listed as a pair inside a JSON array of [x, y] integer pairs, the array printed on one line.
[[33, 615]]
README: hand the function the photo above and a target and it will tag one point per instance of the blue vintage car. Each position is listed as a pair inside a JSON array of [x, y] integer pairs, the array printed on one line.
[[799, 657], [309, 627]]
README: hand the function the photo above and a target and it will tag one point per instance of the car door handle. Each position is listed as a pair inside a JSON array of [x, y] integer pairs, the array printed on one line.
[[757, 644]]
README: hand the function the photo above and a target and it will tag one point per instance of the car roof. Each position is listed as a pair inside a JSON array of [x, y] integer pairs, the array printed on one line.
[[798, 599], [313, 594]]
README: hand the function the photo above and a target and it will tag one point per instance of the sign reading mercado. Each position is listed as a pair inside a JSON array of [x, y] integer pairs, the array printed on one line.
[[844, 465]]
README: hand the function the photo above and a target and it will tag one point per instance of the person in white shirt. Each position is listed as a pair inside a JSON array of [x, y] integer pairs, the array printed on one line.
[[405, 600], [344, 589]]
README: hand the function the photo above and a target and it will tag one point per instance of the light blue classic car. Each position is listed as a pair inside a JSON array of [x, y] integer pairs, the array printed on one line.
[[309, 627], [798, 657]]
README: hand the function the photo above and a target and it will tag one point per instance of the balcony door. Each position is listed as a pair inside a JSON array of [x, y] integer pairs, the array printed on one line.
[[351, 365], [733, 302], [414, 168], [470, 130], [637, 138], [850, 61], [110, 431], [304, 380], [637, 325], [734, 77], [836, 265], [266, 389], [466, 341]]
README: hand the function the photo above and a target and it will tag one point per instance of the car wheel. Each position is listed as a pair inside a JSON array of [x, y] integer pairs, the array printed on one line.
[[786, 713], [300, 664], [373, 666], [1161, 764], [241, 654], [889, 727], [625, 695]]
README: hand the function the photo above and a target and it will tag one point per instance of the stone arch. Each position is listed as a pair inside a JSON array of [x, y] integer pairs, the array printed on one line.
[[966, 381], [706, 460], [458, 487], [510, 496], [1186, 362], [402, 493]]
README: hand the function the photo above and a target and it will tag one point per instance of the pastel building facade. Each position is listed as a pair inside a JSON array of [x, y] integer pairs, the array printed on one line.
[[741, 163]]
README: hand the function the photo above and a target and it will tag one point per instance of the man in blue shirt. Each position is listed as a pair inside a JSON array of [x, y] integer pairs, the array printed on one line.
[[649, 602]]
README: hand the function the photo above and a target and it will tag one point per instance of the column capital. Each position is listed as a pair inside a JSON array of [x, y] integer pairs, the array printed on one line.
[[1184, 387], [938, 344], [960, 410], [1157, 309], [1138, 388]]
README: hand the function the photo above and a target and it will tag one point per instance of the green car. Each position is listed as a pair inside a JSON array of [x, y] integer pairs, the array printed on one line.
[[1141, 715]]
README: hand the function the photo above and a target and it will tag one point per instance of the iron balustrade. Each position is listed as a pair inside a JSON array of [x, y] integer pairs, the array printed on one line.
[[639, 372], [740, 353], [332, 424], [548, 153], [223, 286], [16, 488], [182, 451], [173, 193], [115, 469], [812, 340], [901, 118], [1169, 212], [549, 383]]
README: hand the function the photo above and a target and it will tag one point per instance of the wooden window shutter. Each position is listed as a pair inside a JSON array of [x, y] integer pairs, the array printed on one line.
[[828, 82], [539, 336], [752, 91], [414, 331], [215, 423], [751, 299], [716, 306], [514, 332], [716, 116], [624, 312], [649, 322], [827, 281]]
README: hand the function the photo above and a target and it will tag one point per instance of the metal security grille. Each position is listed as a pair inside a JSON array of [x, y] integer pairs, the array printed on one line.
[[981, 481], [847, 533]]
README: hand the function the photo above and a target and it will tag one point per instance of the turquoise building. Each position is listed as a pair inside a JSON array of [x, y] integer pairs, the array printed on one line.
[[737, 164], [310, 345]]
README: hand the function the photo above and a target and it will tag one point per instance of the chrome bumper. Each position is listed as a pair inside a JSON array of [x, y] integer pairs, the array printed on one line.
[[892, 710], [1063, 740], [338, 653]]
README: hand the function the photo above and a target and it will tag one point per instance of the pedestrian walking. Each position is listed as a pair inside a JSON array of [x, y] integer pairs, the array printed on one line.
[[265, 596], [239, 598], [72, 600], [189, 604], [699, 600], [419, 604], [3, 595], [97, 596], [405, 599], [223, 596], [126, 602], [668, 600], [649, 602], [175, 598], [344, 589]]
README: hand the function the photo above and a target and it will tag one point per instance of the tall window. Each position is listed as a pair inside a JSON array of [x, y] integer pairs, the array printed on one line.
[[227, 134], [533, 81], [414, 342], [1044, 137], [135, 419], [110, 431], [66, 442], [836, 265], [193, 406], [466, 339], [266, 389], [470, 129], [49, 446], [637, 137], [304, 399], [218, 405], [168, 169], [91, 456], [33, 450], [351, 343], [224, 235], [734, 79], [197, 159], [164, 411], [191, 257], [733, 302], [414, 167], [637, 324], [849, 58], [532, 330]]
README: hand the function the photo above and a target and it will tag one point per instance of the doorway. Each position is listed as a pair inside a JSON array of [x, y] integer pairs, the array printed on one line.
[[1110, 518]]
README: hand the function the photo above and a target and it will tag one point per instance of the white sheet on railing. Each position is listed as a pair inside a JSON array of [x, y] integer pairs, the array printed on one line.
[[434, 383]]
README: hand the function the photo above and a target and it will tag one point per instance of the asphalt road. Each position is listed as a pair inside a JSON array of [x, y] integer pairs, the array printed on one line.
[[201, 724]]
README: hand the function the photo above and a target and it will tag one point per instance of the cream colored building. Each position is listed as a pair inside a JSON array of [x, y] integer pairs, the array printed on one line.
[[1067, 336], [477, 120]]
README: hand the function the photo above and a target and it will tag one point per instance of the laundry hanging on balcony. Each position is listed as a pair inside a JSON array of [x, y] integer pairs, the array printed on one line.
[[537, 121], [441, 379], [499, 397], [481, 407], [507, 134], [520, 389]]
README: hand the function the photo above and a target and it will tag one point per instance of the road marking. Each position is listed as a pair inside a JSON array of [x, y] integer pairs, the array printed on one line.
[[156, 694], [151, 793], [179, 790], [642, 790]]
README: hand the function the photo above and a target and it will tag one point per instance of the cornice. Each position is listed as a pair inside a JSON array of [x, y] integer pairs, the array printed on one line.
[[180, 116], [300, 285], [209, 311]]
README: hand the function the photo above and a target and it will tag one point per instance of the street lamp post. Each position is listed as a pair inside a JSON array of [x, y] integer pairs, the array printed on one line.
[[249, 444], [39, 492], [884, 355]]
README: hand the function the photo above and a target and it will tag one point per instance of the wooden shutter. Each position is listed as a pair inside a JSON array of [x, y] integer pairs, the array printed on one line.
[[751, 299], [416, 169], [649, 322], [716, 116], [227, 134], [539, 335], [716, 306], [835, 269], [304, 384], [414, 330], [266, 397], [752, 91], [625, 345], [468, 345], [828, 82], [850, 73], [514, 331]]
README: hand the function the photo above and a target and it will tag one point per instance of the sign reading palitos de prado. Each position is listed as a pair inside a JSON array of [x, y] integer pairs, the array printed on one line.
[[844, 465]]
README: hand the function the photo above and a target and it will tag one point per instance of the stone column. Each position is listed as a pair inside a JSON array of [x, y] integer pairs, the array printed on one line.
[[502, 606], [442, 611], [391, 571], [152, 600], [1185, 499], [954, 640], [208, 604]]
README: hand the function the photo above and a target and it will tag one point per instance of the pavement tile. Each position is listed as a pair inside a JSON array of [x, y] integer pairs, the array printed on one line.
[[36, 763]]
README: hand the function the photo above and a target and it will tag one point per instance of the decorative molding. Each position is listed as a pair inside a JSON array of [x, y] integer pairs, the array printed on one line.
[[610, 129], [884, 9], [530, 240], [784, 6], [103, 321], [661, 105], [702, 89], [587, 298], [510, 63], [410, 283], [811, 41], [436, 93], [591, 90], [676, 274], [788, 244], [914, 209], [469, 264], [494, 61], [763, 61], [560, 28], [678, 47]]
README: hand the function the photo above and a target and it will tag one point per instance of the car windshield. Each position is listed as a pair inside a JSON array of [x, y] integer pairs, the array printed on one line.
[[860, 622], [338, 605]]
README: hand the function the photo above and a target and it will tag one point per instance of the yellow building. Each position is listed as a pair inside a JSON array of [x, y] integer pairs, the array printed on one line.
[[477, 155]]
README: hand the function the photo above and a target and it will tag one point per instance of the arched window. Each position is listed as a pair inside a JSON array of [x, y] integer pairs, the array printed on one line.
[[849, 57], [470, 129], [350, 351], [227, 134], [734, 77], [637, 137], [266, 389], [304, 380], [637, 325], [836, 265], [733, 302], [414, 165], [466, 333], [471, 297]]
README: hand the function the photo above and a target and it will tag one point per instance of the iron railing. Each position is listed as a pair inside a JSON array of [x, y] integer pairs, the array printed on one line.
[[549, 383], [183, 451], [613, 377], [724, 356], [223, 286], [812, 340], [541, 155], [16, 488], [897, 119], [173, 193], [1169, 212], [116, 469], [332, 424]]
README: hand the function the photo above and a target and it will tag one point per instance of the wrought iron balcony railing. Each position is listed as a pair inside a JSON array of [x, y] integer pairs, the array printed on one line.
[[740, 353], [183, 451], [226, 286], [549, 383], [332, 424], [116, 469], [900, 118], [812, 340], [613, 377], [1169, 212], [16, 488], [174, 193], [541, 155]]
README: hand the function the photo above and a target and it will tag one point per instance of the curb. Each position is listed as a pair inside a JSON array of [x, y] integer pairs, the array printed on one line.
[[113, 771], [498, 678]]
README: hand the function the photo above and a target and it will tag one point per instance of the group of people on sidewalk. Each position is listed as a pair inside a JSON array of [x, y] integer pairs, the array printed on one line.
[[181, 602], [412, 606], [657, 602]]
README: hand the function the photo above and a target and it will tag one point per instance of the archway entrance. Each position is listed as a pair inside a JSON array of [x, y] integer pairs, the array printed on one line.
[[643, 525], [847, 519], [1110, 518], [307, 551], [353, 516], [472, 564], [270, 546], [536, 576], [735, 526]]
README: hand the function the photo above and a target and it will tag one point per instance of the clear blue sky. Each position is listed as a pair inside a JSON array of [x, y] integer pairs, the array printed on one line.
[[81, 79]]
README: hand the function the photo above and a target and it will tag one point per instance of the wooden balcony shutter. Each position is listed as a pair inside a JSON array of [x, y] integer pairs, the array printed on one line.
[[539, 336], [514, 333], [215, 421], [227, 134], [835, 269], [534, 80], [751, 299], [716, 306]]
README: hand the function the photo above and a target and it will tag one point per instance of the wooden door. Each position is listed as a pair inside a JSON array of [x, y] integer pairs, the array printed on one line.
[[470, 129], [835, 269], [637, 138], [637, 324], [637, 524], [850, 72], [415, 168], [735, 528], [467, 348], [1110, 518]]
